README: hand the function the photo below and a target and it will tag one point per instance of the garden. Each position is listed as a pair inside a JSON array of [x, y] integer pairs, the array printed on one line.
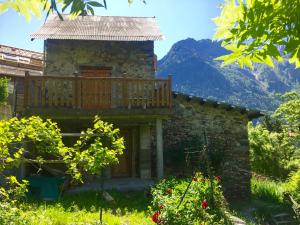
[[196, 199]]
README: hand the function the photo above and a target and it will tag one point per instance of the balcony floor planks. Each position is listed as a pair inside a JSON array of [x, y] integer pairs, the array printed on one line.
[[121, 113]]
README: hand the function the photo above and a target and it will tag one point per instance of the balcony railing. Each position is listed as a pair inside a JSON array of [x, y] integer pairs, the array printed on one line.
[[96, 93]]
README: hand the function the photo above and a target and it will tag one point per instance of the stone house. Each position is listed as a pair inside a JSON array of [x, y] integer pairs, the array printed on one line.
[[101, 65]]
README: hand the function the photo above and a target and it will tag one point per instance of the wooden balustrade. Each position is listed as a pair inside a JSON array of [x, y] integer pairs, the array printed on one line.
[[96, 93]]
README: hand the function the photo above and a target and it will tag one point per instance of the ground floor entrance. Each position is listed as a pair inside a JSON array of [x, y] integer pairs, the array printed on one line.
[[124, 167], [143, 153]]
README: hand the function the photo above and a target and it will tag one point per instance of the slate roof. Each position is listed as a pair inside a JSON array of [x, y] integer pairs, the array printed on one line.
[[108, 28], [250, 113]]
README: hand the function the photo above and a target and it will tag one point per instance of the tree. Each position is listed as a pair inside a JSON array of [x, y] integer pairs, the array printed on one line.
[[275, 142], [97, 148], [259, 31], [27, 8]]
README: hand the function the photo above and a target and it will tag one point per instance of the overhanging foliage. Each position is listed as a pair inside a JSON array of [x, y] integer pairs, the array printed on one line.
[[259, 31]]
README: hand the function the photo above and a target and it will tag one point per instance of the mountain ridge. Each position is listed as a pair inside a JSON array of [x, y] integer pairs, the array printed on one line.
[[196, 72]]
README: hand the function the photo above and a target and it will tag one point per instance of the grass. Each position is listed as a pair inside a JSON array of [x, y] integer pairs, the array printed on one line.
[[83, 208], [267, 190], [266, 200], [131, 208]]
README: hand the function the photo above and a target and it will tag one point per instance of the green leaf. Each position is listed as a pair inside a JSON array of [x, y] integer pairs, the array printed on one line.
[[35, 7], [24, 11], [91, 9], [66, 4], [296, 58], [268, 60], [247, 61], [95, 4], [4, 7]]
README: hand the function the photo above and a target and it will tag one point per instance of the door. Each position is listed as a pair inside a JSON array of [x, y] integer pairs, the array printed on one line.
[[96, 93], [123, 169]]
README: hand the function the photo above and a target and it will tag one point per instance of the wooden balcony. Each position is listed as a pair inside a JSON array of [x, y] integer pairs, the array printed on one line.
[[86, 94]]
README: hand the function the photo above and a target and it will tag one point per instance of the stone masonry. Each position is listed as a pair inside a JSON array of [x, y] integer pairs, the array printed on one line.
[[130, 59], [192, 118]]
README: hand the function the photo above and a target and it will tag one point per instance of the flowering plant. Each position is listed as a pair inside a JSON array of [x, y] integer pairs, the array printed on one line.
[[202, 203]]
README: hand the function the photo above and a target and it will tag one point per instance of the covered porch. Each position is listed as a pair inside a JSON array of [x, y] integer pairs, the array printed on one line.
[[143, 154]]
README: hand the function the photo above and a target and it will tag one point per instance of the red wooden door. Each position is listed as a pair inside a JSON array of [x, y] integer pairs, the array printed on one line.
[[96, 93]]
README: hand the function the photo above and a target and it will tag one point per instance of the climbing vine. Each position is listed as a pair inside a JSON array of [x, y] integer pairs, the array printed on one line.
[[3, 89]]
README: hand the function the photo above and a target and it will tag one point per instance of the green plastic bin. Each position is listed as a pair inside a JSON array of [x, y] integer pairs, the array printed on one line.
[[45, 188]]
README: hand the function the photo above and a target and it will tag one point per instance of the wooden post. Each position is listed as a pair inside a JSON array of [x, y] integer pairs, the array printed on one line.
[[76, 92], [125, 93], [159, 150], [145, 152], [26, 89]]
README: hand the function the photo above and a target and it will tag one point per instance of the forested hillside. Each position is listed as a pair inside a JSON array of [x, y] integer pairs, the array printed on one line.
[[196, 72]]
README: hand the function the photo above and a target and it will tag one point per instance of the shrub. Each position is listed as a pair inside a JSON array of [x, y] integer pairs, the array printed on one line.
[[3, 89], [11, 214], [203, 202], [293, 185]]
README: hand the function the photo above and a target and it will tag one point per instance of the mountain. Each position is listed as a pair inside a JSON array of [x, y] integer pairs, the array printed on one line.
[[195, 72]]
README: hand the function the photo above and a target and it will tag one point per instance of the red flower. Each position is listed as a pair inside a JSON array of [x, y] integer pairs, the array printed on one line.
[[161, 206], [204, 204], [155, 217], [203, 179], [195, 179], [218, 178]]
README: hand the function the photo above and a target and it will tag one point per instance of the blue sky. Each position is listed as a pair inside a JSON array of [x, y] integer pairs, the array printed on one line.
[[177, 19]]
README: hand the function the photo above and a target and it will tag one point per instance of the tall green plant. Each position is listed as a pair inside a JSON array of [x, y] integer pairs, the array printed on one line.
[[3, 89]]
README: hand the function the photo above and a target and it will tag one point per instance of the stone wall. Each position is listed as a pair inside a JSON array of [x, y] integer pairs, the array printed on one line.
[[132, 59], [190, 118], [5, 111]]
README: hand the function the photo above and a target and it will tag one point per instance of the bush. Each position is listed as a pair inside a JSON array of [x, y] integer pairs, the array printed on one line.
[[272, 153], [293, 185], [11, 214], [275, 141], [3, 89], [203, 203]]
